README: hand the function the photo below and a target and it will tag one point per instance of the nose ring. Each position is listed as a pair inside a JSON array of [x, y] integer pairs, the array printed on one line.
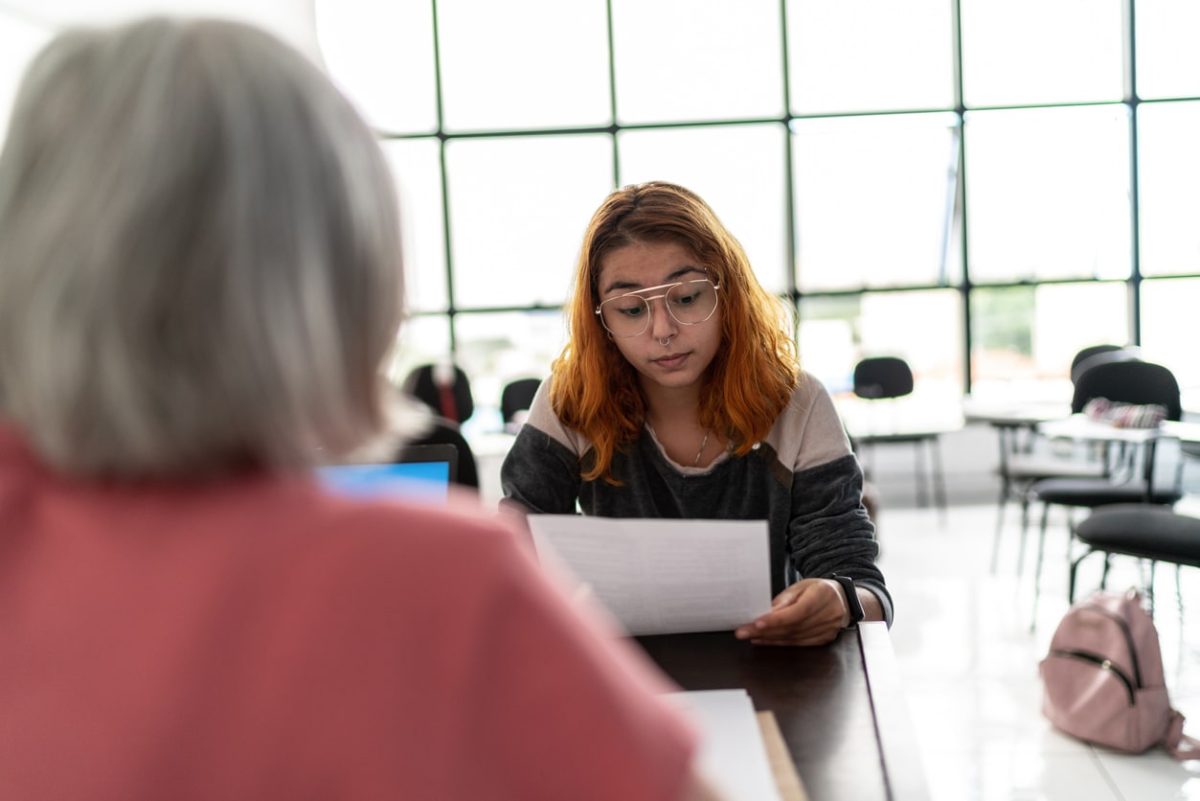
[[664, 341]]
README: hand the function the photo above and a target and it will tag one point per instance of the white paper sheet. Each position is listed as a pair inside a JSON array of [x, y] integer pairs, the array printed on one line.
[[732, 755], [664, 576]]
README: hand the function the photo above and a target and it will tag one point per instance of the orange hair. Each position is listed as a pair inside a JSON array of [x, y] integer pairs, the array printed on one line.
[[595, 391]]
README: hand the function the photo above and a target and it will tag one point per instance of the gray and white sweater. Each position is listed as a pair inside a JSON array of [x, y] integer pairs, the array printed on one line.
[[802, 479]]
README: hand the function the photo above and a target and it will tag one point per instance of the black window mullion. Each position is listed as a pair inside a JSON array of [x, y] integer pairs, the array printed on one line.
[[960, 111], [442, 139], [612, 94], [789, 200], [1134, 103]]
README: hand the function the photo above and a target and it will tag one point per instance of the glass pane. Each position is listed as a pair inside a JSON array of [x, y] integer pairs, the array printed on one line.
[[419, 181], [19, 43], [518, 210], [874, 200], [870, 55], [836, 332], [1168, 61], [1024, 338], [423, 340], [1042, 51], [697, 60], [738, 170], [524, 63], [494, 349], [381, 54], [1168, 174], [1048, 193], [1168, 333]]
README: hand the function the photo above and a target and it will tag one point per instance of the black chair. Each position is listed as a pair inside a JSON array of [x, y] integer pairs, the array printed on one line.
[[1144, 531], [517, 396], [1129, 381], [444, 388], [1026, 459], [1121, 382], [889, 377], [1098, 354]]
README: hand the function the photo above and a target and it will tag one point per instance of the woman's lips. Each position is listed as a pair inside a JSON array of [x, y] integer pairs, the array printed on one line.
[[671, 362]]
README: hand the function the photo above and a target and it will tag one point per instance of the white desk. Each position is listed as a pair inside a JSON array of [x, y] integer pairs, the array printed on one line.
[[1082, 427]]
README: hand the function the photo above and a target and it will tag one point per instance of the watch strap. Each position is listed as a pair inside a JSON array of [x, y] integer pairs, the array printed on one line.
[[852, 600]]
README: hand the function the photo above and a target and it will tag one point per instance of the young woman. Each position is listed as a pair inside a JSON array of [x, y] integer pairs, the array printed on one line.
[[679, 395], [199, 281]]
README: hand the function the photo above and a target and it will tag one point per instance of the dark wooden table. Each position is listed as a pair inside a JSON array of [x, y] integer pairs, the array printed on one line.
[[840, 706]]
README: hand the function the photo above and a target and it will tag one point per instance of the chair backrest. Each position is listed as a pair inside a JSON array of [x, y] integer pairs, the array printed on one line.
[[444, 388], [517, 395], [1101, 354], [882, 377], [1129, 382]]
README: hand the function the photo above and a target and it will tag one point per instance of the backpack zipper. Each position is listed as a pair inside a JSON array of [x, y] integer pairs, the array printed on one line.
[[1123, 624], [1100, 662]]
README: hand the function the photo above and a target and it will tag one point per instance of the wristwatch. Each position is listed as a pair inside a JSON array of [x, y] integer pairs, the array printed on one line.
[[852, 601]]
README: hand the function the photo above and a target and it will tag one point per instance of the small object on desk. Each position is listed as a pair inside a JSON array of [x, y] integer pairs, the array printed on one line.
[[1125, 415]]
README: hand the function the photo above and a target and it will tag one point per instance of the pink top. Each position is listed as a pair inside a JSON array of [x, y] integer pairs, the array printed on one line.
[[257, 638]]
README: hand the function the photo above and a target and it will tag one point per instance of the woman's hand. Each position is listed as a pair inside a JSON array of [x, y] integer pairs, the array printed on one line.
[[810, 612]]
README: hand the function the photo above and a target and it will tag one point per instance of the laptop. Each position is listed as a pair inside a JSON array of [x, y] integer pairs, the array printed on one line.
[[420, 473]]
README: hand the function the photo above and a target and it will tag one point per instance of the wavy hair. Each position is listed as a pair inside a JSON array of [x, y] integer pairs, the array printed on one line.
[[595, 391], [199, 255]]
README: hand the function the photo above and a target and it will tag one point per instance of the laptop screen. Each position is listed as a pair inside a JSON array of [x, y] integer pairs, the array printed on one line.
[[422, 473]]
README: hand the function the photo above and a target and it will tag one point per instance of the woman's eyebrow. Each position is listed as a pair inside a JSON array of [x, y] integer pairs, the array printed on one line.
[[634, 286]]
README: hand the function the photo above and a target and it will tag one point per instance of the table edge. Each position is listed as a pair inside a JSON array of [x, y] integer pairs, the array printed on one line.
[[903, 766]]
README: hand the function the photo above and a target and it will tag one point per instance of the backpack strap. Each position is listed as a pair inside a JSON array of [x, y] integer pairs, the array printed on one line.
[[1178, 744]]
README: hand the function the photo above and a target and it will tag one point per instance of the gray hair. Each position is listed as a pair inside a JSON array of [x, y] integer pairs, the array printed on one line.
[[199, 255]]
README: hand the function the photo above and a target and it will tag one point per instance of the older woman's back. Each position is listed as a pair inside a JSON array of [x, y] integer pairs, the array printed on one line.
[[256, 638]]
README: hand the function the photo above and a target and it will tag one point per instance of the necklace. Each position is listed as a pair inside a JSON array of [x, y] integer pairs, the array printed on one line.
[[700, 452]]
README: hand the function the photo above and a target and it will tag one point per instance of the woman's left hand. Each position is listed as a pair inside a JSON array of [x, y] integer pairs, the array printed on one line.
[[810, 612]]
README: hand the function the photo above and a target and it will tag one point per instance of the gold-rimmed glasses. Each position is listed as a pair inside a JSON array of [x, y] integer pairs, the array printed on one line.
[[688, 303]]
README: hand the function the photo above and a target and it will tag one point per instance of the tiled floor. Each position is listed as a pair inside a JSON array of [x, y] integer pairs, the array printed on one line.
[[969, 662]]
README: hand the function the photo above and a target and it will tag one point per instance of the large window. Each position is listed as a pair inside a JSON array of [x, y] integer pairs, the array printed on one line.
[[982, 188]]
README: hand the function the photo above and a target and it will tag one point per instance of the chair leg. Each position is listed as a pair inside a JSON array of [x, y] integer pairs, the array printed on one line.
[[1024, 531], [1070, 534], [1179, 589], [939, 475], [1004, 491], [1037, 570], [1024, 516], [922, 478], [1074, 570], [1150, 587]]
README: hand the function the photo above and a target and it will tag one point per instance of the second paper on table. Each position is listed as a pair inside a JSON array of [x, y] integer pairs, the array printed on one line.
[[664, 576]]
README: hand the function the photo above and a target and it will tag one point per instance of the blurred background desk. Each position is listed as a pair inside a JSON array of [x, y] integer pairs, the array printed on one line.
[[840, 707]]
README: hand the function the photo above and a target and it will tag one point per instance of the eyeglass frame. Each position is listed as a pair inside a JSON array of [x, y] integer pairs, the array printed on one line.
[[649, 310]]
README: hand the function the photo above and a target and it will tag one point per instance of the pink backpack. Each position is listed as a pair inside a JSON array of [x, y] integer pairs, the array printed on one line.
[[1104, 678]]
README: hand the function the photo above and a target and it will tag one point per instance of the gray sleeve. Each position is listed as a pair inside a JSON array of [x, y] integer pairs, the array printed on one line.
[[830, 531], [540, 475]]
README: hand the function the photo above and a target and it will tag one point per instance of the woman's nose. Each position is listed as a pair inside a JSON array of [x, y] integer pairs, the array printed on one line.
[[662, 324]]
